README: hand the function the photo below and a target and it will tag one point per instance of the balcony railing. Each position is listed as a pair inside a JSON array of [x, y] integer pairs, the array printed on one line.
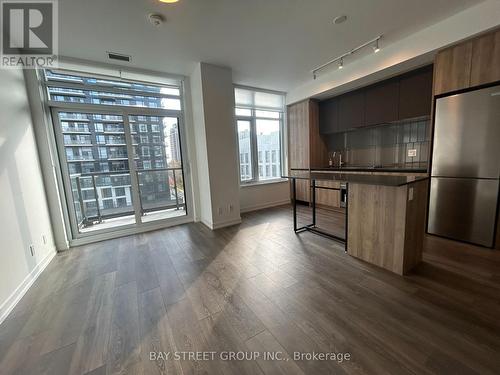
[[91, 216], [79, 158], [75, 129]]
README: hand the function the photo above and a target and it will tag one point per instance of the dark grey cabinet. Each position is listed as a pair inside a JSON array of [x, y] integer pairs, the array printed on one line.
[[381, 103], [415, 94], [329, 116], [352, 110], [404, 97]]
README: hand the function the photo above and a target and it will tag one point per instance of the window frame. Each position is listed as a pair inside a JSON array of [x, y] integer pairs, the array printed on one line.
[[252, 119], [53, 107]]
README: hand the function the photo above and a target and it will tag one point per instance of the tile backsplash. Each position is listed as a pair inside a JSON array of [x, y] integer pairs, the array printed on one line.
[[402, 144]]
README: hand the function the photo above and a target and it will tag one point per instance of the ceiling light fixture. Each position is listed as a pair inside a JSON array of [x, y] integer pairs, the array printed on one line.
[[374, 42], [340, 19], [156, 19], [168, 1]]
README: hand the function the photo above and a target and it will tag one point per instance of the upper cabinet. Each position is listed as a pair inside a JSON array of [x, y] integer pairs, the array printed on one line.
[[329, 116], [399, 98], [381, 103], [485, 59], [306, 148], [452, 68], [298, 132], [352, 110], [471, 63], [415, 94]]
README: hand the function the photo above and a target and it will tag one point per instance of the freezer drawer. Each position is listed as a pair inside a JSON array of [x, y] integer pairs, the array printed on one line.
[[463, 209], [467, 135]]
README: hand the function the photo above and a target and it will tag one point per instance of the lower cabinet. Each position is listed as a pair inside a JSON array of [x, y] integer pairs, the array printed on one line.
[[328, 198], [302, 190]]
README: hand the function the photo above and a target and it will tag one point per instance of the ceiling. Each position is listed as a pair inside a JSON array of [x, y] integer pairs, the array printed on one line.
[[270, 44]]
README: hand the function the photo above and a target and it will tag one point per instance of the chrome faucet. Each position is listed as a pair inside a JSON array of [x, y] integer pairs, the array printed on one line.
[[340, 160]]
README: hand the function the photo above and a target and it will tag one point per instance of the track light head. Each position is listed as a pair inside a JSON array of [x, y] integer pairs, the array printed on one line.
[[376, 47], [341, 63]]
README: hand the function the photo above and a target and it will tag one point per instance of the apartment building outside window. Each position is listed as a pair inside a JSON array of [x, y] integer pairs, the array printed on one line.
[[259, 123]]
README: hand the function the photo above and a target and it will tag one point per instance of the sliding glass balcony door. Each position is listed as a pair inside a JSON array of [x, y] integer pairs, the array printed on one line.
[[158, 166], [119, 144], [119, 170]]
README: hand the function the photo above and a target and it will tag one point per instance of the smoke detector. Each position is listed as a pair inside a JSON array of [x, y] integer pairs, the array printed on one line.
[[156, 19]]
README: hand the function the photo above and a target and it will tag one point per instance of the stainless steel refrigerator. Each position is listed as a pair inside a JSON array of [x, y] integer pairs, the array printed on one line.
[[465, 171]]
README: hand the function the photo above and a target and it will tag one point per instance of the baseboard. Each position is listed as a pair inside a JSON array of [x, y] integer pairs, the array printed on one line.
[[21, 290], [227, 223], [265, 205]]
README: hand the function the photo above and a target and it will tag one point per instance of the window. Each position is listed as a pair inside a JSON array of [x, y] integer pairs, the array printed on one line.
[[95, 126], [106, 193], [259, 122], [119, 192]]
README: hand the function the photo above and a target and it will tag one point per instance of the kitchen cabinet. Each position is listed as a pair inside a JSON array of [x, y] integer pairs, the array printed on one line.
[[485, 59], [381, 103], [329, 116], [328, 198], [352, 110], [306, 147], [472, 63], [400, 98], [415, 94], [298, 131], [452, 68]]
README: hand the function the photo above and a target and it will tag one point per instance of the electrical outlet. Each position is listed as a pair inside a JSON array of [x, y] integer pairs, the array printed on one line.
[[32, 250], [44, 239], [412, 152]]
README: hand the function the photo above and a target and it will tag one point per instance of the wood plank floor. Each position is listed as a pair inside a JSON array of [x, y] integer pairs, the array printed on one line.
[[102, 308]]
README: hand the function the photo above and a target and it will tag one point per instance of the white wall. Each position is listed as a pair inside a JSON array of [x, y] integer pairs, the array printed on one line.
[[24, 216], [204, 209], [413, 51], [212, 97], [259, 196]]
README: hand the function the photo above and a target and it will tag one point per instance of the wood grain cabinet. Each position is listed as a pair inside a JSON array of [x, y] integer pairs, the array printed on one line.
[[485, 67], [452, 68], [306, 148], [381, 103], [472, 63]]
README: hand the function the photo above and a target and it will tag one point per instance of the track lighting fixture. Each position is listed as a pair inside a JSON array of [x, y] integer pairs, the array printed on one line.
[[340, 60]]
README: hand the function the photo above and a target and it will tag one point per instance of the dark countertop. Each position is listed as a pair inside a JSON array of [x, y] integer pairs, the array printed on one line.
[[372, 169], [365, 179]]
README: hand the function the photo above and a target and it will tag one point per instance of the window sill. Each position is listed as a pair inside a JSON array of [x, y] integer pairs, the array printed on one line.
[[267, 182]]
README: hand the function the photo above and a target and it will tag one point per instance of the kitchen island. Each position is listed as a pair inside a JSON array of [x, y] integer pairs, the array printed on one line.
[[385, 216]]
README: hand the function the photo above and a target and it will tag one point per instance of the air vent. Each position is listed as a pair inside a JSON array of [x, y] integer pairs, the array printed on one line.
[[118, 56]]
